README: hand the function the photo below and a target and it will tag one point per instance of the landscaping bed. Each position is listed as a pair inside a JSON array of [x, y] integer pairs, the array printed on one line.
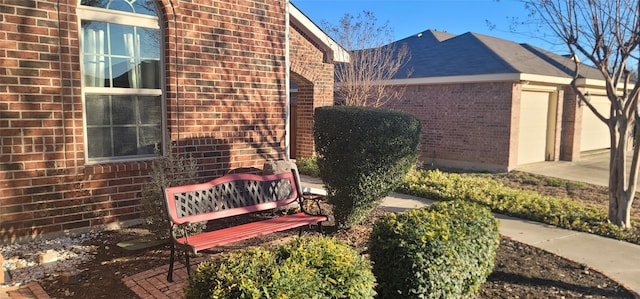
[[521, 271]]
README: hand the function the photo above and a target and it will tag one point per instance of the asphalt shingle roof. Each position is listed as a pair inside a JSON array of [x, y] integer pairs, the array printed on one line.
[[438, 54]]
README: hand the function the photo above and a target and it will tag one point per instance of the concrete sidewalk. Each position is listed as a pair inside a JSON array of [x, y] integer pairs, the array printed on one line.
[[617, 260], [591, 168]]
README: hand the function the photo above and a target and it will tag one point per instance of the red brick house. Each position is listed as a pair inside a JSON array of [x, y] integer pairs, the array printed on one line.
[[492, 104], [88, 89]]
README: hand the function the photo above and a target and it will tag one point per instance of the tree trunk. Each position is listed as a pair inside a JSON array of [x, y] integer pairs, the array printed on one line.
[[620, 208], [622, 177]]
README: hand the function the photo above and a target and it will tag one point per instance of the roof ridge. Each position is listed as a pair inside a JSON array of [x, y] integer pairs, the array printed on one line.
[[493, 52]]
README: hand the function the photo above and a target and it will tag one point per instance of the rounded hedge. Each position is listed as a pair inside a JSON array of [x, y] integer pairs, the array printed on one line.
[[445, 250], [363, 154], [308, 267]]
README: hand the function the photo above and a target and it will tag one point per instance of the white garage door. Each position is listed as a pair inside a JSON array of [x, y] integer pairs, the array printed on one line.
[[595, 133], [532, 136]]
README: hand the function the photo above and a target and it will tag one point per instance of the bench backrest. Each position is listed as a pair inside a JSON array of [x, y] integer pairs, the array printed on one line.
[[230, 195]]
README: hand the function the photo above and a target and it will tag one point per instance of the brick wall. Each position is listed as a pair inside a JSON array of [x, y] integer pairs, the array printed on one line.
[[314, 78], [464, 125], [557, 141], [225, 98], [572, 126]]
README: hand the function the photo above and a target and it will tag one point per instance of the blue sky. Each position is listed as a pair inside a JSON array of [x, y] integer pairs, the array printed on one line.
[[408, 17]]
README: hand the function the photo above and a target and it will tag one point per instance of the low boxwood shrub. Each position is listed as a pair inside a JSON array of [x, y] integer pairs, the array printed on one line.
[[308, 267], [565, 213], [363, 153], [445, 250], [308, 166]]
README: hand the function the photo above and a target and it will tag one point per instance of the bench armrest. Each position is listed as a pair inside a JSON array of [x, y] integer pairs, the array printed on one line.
[[181, 228]]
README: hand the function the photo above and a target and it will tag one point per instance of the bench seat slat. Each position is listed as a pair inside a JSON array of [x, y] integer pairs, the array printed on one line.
[[237, 233]]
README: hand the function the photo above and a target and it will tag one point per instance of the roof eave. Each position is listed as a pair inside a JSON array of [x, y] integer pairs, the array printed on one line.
[[504, 77], [588, 82], [493, 78], [338, 53]]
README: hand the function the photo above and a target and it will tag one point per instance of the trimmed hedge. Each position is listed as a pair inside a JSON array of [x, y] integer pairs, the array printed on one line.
[[445, 250], [309, 267], [437, 185], [363, 154]]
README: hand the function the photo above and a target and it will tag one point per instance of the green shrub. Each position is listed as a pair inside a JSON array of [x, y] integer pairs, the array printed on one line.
[[555, 182], [445, 250], [309, 267], [363, 154], [573, 188], [308, 166], [166, 171], [529, 205]]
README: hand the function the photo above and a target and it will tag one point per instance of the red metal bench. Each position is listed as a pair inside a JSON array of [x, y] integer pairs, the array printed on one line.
[[233, 195]]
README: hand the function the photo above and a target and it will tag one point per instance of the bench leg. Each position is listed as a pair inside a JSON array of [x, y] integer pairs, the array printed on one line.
[[186, 253], [320, 229], [171, 259]]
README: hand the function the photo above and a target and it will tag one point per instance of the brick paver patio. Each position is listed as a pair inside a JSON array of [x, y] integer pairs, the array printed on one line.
[[31, 290], [150, 284], [153, 283]]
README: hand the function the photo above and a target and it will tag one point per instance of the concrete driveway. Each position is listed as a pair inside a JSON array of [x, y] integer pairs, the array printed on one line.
[[592, 168]]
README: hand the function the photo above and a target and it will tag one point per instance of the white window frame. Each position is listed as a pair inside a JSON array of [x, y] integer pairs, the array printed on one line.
[[127, 19]]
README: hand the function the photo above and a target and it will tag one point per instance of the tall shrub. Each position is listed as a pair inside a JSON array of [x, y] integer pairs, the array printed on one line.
[[168, 170], [363, 154]]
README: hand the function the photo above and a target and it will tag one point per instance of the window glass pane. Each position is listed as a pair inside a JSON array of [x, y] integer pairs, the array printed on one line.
[[149, 43], [150, 110], [150, 74], [98, 112], [94, 37], [121, 69], [145, 7], [94, 47], [150, 137], [123, 110], [120, 37], [127, 142], [96, 71], [121, 6], [99, 142]]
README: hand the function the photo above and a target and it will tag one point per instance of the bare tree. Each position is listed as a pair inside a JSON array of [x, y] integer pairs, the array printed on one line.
[[374, 60], [607, 34]]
